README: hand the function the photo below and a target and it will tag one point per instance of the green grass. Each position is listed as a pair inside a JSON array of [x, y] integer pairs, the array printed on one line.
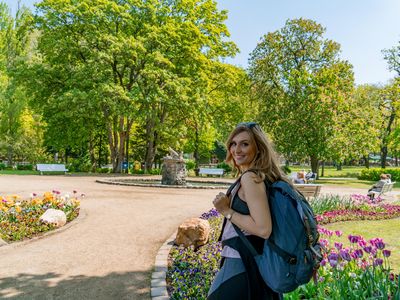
[[18, 172], [385, 229], [329, 171]]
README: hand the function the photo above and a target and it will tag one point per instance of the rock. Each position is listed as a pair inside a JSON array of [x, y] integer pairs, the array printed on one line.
[[54, 216], [193, 231], [2, 243]]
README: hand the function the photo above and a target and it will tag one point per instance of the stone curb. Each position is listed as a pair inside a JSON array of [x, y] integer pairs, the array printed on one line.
[[82, 215], [158, 287], [159, 185]]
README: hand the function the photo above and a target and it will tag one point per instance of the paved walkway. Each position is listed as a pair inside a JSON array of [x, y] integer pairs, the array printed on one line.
[[109, 251]]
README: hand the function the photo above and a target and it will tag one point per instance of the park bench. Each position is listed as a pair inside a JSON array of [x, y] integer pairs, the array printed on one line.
[[211, 171], [309, 190], [51, 168], [387, 187]]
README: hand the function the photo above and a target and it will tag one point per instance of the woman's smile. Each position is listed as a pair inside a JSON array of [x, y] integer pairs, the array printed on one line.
[[243, 150]]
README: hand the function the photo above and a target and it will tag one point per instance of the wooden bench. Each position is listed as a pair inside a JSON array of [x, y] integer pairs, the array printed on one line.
[[387, 187], [309, 190], [211, 171], [51, 168]]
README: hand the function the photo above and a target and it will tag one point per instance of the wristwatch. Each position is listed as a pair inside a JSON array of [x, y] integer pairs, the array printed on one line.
[[229, 216]]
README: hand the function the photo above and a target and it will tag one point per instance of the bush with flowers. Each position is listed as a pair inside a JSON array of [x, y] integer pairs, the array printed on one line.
[[20, 218], [360, 270]]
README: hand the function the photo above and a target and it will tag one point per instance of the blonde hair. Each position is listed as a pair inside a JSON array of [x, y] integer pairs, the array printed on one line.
[[265, 163]]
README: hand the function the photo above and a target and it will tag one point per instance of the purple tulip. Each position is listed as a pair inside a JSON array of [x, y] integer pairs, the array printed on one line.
[[333, 259], [386, 253], [338, 233], [344, 253], [323, 262], [368, 249], [358, 253], [353, 238], [378, 262], [378, 243], [338, 245]]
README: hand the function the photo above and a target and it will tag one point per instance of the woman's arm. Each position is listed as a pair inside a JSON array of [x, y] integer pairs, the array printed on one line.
[[259, 221]]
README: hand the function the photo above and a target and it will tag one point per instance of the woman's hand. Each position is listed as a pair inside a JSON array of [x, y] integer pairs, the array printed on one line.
[[221, 203]]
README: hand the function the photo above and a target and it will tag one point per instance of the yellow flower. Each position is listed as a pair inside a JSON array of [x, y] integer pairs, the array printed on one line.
[[48, 196], [18, 209]]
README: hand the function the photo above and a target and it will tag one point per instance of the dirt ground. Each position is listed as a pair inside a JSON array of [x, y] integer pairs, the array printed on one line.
[[109, 251]]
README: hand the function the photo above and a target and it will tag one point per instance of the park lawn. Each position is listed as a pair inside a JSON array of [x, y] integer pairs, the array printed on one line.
[[19, 172], [385, 229], [352, 183], [330, 171]]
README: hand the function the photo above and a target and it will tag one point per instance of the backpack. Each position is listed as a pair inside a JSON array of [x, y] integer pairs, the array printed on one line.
[[292, 253]]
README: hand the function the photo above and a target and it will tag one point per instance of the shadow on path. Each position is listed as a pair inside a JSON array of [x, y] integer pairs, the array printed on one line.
[[129, 285]]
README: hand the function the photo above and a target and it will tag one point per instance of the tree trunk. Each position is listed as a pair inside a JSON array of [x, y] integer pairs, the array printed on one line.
[[196, 154], [385, 141], [127, 150], [92, 156], [314, 164], [322, 169], [384, 152], [339, 166], [366, 161], [122, 137], [150, 147]]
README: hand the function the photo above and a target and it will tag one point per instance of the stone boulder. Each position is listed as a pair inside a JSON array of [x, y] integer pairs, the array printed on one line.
[[193, 231], [54, 216]]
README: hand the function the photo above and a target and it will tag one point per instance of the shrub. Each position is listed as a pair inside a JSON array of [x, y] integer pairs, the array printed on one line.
[[103, 170], [155, 171], [139, 171], [227, 168], [28, 167], [80, 165], [190, 164], [286, 169], [374, 174]]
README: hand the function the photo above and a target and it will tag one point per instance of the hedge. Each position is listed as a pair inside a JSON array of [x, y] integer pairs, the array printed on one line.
[[374, 174]]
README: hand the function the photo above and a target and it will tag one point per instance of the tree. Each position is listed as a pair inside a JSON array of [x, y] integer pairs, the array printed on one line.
[[301, 83], [357, 131], [388, 103], [16, 48], [136, 58]]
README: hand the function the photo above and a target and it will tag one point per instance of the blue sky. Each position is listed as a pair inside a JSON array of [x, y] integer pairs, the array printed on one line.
[[362, 27]]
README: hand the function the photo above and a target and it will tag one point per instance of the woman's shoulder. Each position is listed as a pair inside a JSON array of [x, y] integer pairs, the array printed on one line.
[[251, 178]]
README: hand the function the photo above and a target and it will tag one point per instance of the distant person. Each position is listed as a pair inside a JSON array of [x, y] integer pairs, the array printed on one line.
[[389, 178], [310, 176], [377, 187], [300, 178]]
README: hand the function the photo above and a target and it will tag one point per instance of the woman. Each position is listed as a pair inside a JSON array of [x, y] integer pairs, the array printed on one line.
[[246, 206]]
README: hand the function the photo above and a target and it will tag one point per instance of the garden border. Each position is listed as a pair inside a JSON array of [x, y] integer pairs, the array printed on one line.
[[158, 286], [218, 185], [82, 215]]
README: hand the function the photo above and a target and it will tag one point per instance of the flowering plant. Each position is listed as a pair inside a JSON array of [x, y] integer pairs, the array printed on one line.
[[360, 270], [20, 219]]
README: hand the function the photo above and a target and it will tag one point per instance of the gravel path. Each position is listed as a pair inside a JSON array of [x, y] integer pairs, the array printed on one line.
[[109, 251]]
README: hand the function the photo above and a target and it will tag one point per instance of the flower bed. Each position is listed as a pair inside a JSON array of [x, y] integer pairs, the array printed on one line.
[[359, 271], [19, 219]]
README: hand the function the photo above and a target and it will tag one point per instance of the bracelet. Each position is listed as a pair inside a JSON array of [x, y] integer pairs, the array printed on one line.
[[230, 215]]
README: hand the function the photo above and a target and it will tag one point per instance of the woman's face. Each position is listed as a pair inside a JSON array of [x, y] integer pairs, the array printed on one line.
[[242, 150]]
